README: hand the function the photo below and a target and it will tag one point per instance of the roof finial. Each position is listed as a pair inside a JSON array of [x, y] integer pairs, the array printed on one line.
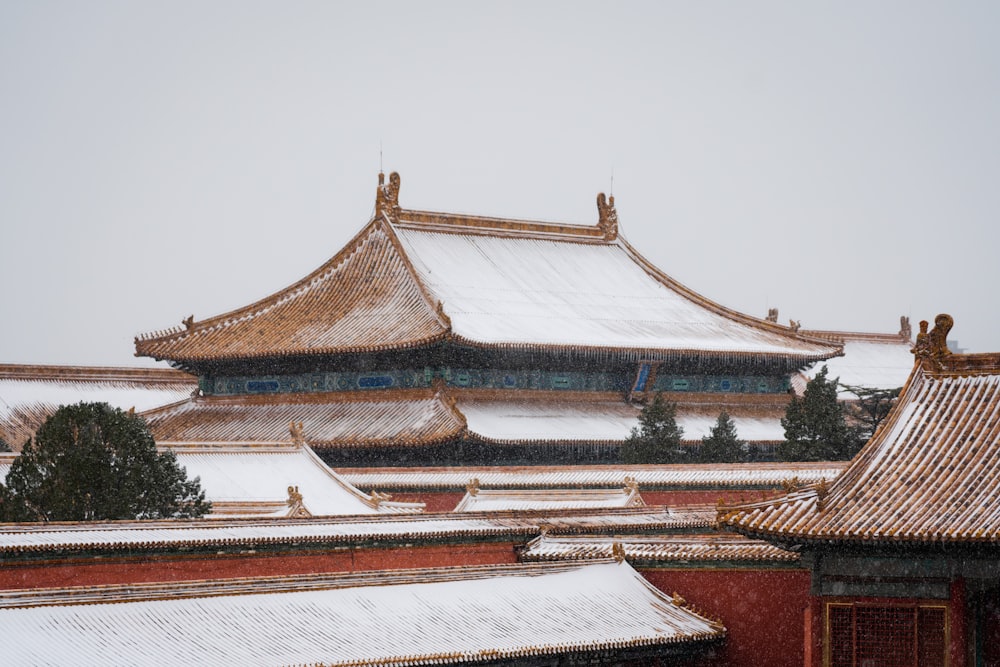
[[905, 330], [772, 315], [932, 347], [387, 196], [607, 217]]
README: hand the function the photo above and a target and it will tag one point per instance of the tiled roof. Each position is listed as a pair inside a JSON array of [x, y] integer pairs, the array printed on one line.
[[879, 361], [276, 481], [928, 476], [364, 299], [421, 417], [30, 394], [706, 476], [551, 417], [411, 278], [415, 417], [437, 617], [672, 548], [487, 500], [215, 534], [238, 478]]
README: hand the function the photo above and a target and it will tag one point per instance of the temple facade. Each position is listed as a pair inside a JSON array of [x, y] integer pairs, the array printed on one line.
[[458, 340], [903, 545]]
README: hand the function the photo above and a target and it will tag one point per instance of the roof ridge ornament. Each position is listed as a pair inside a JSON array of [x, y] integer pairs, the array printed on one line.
[[298, 433], [607, 217], [387, 196], [931, 348], [905, 330]]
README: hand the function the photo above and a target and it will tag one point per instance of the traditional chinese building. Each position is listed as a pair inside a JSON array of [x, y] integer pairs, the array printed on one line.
[[454, 339], [904, 545]]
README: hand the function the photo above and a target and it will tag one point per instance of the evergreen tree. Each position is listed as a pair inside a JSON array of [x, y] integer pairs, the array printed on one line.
[[4, 447], [658, 437], [815, 429], [871, 408], [91, 462], [722, 445]]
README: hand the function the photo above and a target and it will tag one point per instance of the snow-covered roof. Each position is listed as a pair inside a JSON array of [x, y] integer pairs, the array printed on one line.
[[870, 360], [701, 476], [682, 549], [30, 394], [499, 290], [484, 282], [274, 481], [294, 532], [437, 617], [929, 475], [331, 419], [247, 481], [490, 500], [412, 417]]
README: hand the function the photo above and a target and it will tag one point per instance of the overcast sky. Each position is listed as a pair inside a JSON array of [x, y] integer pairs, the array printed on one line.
[[838, 161]]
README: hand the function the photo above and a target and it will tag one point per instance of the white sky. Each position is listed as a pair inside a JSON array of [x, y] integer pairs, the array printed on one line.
[[837, 160]]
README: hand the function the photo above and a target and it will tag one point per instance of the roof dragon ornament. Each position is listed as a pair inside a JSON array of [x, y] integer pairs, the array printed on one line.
[[932, 346], [607, 220], [387, 196]]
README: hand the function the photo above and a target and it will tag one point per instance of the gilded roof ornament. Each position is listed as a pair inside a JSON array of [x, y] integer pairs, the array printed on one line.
[[631, 484], [188, 322], [905, 330], [294, 497], [794, 325], [932, 346], [387, 196], [607, 217], [379, 497], [297, 432], [472, 488], [618, 552], [772, 315]]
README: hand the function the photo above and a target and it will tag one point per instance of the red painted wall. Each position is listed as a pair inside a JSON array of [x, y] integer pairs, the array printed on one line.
[[92, 572], [763, 610], [445, 501]]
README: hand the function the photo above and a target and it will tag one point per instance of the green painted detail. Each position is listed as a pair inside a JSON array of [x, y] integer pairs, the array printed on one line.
[[489, 378]]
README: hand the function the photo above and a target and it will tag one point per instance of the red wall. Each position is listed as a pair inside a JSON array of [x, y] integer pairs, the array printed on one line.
[[445, 501], [763, 610], [92, 572]]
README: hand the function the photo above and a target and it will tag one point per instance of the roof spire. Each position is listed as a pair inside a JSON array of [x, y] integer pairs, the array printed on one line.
[[387, 196]]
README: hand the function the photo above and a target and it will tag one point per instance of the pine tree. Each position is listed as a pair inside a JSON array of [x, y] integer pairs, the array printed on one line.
[[658, 437], [722, 445], [815, 428], [871, 408], [91, 462]]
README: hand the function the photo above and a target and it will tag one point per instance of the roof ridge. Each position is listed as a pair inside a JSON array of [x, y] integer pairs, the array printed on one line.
[[387, 207], [270, 301], [93, 373]]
